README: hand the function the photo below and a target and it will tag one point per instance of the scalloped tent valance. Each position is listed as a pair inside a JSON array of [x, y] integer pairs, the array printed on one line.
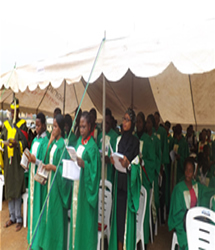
[[180, 98]]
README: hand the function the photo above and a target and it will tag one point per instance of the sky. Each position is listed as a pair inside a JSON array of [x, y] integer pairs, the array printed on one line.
[[36, 30]]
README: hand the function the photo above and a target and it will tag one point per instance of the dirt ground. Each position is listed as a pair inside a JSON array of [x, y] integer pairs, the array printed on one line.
[[12, 240]]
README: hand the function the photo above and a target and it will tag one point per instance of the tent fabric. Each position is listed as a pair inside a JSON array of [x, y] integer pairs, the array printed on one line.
[[180, 98], [172, 73]]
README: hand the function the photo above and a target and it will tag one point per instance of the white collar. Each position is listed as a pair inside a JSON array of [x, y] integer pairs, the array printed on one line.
[[42, 135]]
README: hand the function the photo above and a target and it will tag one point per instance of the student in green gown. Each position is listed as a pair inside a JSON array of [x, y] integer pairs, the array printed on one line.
[[86, 232], [162, 136], [150, 123], [110, 139], [170, 142], [35, 189], [70, 138], [186, 194], [147, 162], [95, 130], [126, 188], [202, 140], [206, 170], [54, 222], [181, 151]]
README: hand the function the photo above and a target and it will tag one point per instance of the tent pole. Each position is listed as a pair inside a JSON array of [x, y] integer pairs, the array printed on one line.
[[64, 97], [132, 91], [191, 92], [103, 160]]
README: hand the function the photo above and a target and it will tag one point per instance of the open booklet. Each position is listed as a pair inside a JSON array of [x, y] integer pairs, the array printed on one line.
[[71, 170], [41, 175], [72, 153], [41, 171], [116, 156]]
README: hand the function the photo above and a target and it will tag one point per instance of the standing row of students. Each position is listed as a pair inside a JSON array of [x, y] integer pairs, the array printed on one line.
[[146, 159]]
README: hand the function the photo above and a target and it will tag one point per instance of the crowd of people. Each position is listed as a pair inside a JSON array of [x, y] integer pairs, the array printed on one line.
[[177, 170]]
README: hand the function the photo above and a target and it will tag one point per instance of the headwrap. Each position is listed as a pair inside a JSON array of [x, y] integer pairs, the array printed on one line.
[[132, 115]]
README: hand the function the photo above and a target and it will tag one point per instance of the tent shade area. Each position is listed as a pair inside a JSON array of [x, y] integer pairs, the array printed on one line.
[[180, 98]]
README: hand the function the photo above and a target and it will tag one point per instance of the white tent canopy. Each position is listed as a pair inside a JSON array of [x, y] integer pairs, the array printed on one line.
[[180, 98], [166, 65]]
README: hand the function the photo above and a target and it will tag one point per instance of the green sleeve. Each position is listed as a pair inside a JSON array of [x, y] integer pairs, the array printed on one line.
[[72, 140], [148, 155], [157, 145], [212, 182], [176, 215], [64, 187], [42, 150], [165, 153], [92, 168], [205, 194], [134, 185]]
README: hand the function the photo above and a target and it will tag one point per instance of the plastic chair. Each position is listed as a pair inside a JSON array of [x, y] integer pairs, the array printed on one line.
[[200, 228], [107, 211], [1, 190], [140, 217], [174, 241], [212, 198], [150, 215], [150, 219], [25, 207]]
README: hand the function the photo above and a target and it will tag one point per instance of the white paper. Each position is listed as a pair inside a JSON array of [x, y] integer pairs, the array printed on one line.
[[117, 164], [72, 153], [172, 155], [71, 170]]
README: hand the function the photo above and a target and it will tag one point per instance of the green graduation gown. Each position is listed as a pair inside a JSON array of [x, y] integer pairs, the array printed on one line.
[[177, 167], [170, 142], [36, 191], [133, 195], [13, 172], [162, 136], [180, 203], [148, 175], [158, 153], [86, 232], [111, 138], [54, 222]]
